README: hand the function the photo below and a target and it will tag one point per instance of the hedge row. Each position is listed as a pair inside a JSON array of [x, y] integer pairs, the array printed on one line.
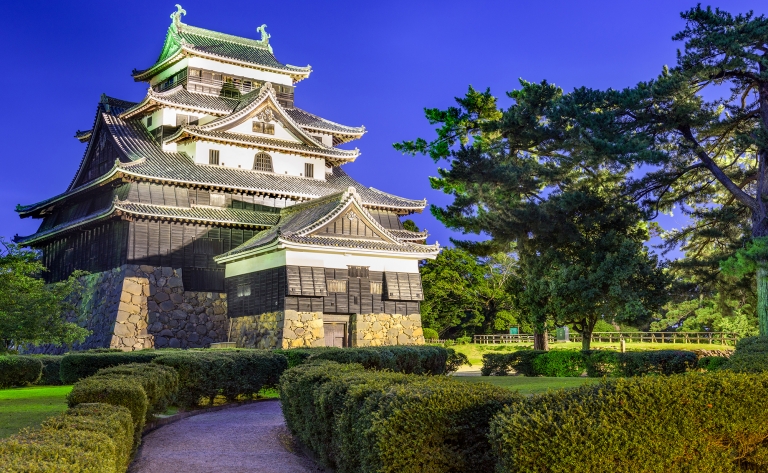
[[88, 438], [78, 365], [409, 359], [205, 374], [714, 422], [596, 363], [18, 370], [357, 420]]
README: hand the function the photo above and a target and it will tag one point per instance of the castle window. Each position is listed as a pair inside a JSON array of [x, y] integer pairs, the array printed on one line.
[[263, 162], [337, 285], [149, 121], [243, 290], [375, 287], [182, 119], [262, 127], [213, 156], [309, 170]]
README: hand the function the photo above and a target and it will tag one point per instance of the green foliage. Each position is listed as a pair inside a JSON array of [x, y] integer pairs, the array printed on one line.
[[455, 361], [465, 294], [113, 421], [750, 356], [79, 365], [117, 391], [51, 370], [431, 334], [205, 374], [400, 359], [597, 363], [32, 312], [714, 422], [746, 261], [365, 421], [712, 363], [559, 363], [160, 383], [18, 370], [295, 356]]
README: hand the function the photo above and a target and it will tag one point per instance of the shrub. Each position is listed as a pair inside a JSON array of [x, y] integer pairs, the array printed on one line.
[[79, 365], [430, 334], [599, 363], [402, 359], [117, 391], [559, 363], [55, 451], [51, 375], [752, 345], [113, 421], [714, 422], [712, 363], [296, 356], [519, 362], [463, 340], [160, 383], [16, 370], [663, 362], [232, 373], [357, 420], [455, 361]]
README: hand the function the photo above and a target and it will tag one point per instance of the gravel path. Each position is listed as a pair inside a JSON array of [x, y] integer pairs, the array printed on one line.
[[245, 439]]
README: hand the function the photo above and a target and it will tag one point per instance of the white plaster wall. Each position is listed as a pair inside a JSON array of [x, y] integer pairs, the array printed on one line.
[[324, 260], [234, 70], [237, 157], [281, 133]]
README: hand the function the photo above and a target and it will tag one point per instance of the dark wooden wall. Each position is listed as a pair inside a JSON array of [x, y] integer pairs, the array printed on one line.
[[97, 249], [306, 289]]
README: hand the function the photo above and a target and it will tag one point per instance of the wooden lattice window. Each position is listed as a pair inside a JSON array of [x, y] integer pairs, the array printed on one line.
[[263, 127], [309, 170], [213, 156], [262, 162], [243, 290], [337, 285], [375, 287]]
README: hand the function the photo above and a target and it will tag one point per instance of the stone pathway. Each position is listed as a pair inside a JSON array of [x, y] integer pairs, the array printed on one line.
[[245, 439]]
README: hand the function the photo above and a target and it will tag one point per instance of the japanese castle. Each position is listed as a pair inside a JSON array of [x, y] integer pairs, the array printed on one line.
[[216, 210]]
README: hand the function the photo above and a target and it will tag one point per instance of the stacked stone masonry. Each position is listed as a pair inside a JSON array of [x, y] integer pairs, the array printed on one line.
[[137, 307]]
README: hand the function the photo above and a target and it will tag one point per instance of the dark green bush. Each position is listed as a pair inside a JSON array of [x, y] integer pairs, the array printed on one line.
[[402, 359], [663, 362], [117, 391], [160, 383], [357, 420], [601, 363], [113, 421], [79, 365], [517, 362], [752, 345], [51, 369], [694, 422], [297, 356], [560, 363], [712, 363], [233, 373], [17, 370]]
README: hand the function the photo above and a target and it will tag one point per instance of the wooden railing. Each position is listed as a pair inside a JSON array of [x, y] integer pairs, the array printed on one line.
[[722, 338]]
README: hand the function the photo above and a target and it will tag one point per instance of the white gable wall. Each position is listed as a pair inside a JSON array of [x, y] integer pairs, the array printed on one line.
[[281, 133], [290, 257], [232, 69], [238, 157]]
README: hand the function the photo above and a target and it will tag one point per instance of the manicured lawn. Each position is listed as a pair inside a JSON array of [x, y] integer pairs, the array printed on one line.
[[528, 385], [475, 352], [28, 407]]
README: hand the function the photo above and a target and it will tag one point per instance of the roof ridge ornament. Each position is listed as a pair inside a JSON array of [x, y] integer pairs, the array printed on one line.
[[176, 16], [264, 36]]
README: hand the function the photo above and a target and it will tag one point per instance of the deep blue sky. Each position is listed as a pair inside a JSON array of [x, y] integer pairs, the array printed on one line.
[[374, 63]]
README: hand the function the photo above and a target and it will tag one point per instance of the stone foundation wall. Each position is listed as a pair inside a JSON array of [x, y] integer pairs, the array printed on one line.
[[303, 329], [258, 331], [373, 330]]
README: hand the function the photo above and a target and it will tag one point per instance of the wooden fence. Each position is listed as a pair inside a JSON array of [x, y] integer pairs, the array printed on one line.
[[722, 338]]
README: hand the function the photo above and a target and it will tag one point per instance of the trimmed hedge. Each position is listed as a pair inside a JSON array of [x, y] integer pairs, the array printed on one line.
[[160, 383], [423, 359], [232, 373], [712, 363], [16, 370], [596, 363], [51, 375], [750, 356], [78, 365], [89, 438], [364, 421], [714, 422]]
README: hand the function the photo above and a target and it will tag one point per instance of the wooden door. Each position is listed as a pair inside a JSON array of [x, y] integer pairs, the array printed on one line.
[[335, 334]]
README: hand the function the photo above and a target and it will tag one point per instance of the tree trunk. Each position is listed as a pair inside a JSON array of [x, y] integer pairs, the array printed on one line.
[[541, 341], [586, 339], [762, 299]]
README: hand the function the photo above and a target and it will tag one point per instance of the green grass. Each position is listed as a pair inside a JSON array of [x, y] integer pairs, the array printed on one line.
[[475, 352], [28, 407], [528, 385]]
